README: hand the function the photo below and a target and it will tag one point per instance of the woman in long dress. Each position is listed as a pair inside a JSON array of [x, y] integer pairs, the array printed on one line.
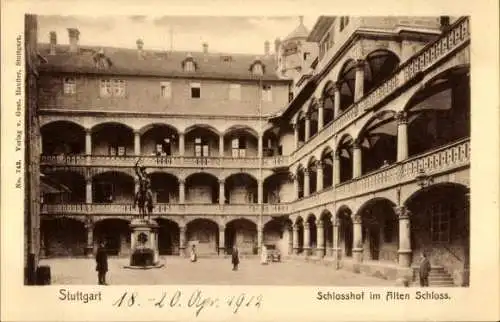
[[193, 256], [263, 255]]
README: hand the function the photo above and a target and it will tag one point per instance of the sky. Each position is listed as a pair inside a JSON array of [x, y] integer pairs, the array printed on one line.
[[222, 33]]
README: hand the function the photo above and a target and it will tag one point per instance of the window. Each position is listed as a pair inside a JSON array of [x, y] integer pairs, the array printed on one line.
[[201, 148], [189, 66], [165, 90], [116, 150], [257, 69], [267, 93], [440, 223], [344, 21], [114, 87], [163, 147], [103, 192], [238, 147], [195, 90], [234, 92], [306, 55], [69, 86]]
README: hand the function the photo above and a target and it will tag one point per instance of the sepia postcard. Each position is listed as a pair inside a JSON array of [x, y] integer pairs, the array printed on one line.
[[251, 161]]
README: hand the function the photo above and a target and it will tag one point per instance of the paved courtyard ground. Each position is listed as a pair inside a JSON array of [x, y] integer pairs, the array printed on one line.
[[218, 271]]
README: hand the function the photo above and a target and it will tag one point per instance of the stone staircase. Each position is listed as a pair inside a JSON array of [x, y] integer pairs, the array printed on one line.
[[439, 277]]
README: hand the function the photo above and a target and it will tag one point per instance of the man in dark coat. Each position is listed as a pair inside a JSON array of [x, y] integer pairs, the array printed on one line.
[[101, 259], [424, 270], [235, 258]]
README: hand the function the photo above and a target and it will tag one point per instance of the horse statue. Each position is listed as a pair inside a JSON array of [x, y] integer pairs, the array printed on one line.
[[144, 195]]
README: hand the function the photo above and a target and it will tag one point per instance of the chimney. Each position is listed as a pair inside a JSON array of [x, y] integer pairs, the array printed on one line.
[[140, 51], [205, 48], [74, 37], [277, 44], [267, 48], [53, 42]]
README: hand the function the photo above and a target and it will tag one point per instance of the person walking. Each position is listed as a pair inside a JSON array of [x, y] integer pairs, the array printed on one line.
[[235, 258], [101, 259], [263, 255], [424, 270], [193, 256]]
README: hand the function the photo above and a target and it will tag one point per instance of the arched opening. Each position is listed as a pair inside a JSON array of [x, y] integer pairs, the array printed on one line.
[[240, 142], [345, 155], [114, 139], [328, 100], [277, 188], [313, 236], [345, 231], [380, 64], [204, 234], [312, 168], [243, 233], [271, 142], [300, 181], [202, 141], [439, 113], [113, 187], [313, 117], [379, 142], [165, 187], [326, 219], [301, 123], [346, 83], [73, 184], [299, 223], [440, 226], [327, 164], [159, 140], [277, 234], [240, 188], [380, 229], [202, 188], [62, 137], [115, 234], [63, 237], [168, 237]]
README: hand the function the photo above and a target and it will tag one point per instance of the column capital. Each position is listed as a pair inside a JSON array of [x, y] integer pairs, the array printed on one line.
[[222, 181], [336, 86], [89, 222], [356, 144], [306, 172], [306, 225], [88, 131], [359, 63], [180, 133], [182, 228], [137, 132], [222, 227], [356, 219], [402, 117], [182, 181], [88, 180], [319, 223], [402, 212]]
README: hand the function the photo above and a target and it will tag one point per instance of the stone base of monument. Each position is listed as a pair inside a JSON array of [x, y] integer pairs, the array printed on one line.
[[144, 245]]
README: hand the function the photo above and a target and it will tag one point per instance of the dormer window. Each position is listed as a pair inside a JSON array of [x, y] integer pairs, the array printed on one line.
[[189, 65], [257, 68], [69, 86]]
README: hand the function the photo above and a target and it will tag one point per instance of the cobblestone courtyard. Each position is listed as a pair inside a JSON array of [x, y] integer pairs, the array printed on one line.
[[217, 271]]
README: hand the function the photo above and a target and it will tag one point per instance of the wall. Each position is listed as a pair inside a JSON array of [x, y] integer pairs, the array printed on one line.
[[143, 95], [204, 235], [199, 194]]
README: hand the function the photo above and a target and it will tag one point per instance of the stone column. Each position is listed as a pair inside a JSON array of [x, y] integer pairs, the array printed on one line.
[[137, 143], [306, 183], [307, 238], [404, 251], [296, 187], [88, 190], [181, 144], [89, 248], [221, 145], [319, 176], [336, 101], [88, 142], [182, 241], [335, 237], [320, 238], [260, 237], [307, 128], [402, 136], [320, 116], [222, 239], [336, 168], [222, 195], [295, 239], [260, 146], [182, 191], [359, 81], [356, 159], [296, 135], [260, 191], [357, 249]]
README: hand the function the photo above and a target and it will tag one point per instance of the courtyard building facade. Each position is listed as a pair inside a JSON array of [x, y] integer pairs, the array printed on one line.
[[349, 144]]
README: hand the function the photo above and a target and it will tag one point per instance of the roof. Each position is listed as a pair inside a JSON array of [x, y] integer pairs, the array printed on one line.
[[127, 61], [321, 26], [299, 32]]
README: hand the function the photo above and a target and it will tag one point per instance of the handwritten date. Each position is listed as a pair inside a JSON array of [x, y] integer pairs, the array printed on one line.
[[196, 301]]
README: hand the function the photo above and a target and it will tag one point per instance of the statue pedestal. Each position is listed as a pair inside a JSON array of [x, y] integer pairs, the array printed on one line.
[[144, 244]]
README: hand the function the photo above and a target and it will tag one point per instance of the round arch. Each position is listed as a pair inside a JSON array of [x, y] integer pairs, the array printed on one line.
[[98, 126], [203, 234], [379, 65], [328, 101], [344, 152], [168, 236], [112, 138], [165, 186], [115, 234], [202, 187], [62, 236], [62, 137], [241, 128], [70, 181], [113, 187], [345, 224], [150, 126], [241, 232], [346, 84], [202, 126]]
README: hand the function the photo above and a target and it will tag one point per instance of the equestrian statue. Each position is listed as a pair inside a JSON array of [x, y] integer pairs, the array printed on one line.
[[144, 195]]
